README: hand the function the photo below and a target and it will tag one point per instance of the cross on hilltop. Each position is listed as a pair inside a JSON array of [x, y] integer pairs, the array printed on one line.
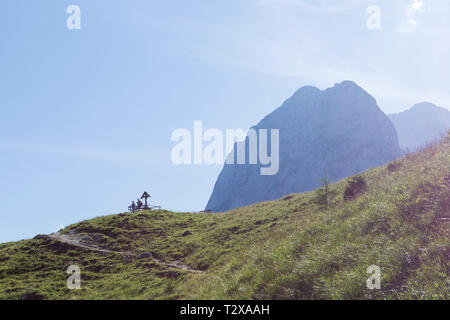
[[139, 206]]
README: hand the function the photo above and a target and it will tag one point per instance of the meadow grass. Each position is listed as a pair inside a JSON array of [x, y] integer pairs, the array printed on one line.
[[291, 248]]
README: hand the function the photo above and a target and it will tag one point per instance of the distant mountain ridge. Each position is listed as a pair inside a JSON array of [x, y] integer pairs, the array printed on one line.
[[423, 123], [340, 130]]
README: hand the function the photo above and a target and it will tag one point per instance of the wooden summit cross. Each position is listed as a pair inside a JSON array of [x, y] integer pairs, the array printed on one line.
[[145, 196]]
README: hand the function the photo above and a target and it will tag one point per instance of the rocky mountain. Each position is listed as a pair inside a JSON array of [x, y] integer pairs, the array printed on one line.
[[340, 130], [421, 124]]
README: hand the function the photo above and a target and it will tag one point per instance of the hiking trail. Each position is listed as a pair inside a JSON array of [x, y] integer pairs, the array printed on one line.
[[77, 241]]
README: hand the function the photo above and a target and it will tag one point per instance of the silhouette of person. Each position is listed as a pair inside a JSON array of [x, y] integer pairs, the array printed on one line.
[[139, 204], [133, 206]]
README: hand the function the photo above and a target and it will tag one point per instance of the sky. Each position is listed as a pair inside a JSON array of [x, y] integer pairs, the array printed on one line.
[[87, 114]]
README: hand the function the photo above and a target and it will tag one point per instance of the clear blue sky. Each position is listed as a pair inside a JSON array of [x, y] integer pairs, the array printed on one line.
[[86, 115]]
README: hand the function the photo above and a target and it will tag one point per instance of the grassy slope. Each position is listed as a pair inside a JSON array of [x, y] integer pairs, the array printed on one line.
[[291, 248]]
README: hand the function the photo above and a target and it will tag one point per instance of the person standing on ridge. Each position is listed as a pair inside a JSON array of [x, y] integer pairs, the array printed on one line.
[[139, 204]]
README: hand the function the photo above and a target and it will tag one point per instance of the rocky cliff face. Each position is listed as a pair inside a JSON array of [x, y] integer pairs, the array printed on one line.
[[341, 130], [421, 124]]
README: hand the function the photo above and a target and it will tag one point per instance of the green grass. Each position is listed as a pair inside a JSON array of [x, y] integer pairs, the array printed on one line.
[[291, 248]]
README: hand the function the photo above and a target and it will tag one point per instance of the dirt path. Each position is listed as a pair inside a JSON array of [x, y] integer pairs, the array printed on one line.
[[76, 241]]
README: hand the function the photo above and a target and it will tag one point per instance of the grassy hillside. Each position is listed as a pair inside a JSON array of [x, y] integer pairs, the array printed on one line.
[[292, 248]]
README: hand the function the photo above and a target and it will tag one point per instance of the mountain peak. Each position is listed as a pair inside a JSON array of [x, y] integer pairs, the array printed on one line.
[[425, 106], [348, 87], [421, 124], [347, 84], [311, 90], [340, 129], [307, 91]]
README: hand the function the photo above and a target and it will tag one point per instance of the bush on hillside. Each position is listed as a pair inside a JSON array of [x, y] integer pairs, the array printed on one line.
[[394, 166], [355, 186]]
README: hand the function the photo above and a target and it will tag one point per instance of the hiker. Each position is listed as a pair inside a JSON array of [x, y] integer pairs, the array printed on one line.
[[133, 206], [139, 204]]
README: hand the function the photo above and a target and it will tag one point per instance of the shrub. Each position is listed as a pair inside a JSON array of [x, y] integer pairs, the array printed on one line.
[[355, 186], [393, 166], [322, 194], [321, 197]]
